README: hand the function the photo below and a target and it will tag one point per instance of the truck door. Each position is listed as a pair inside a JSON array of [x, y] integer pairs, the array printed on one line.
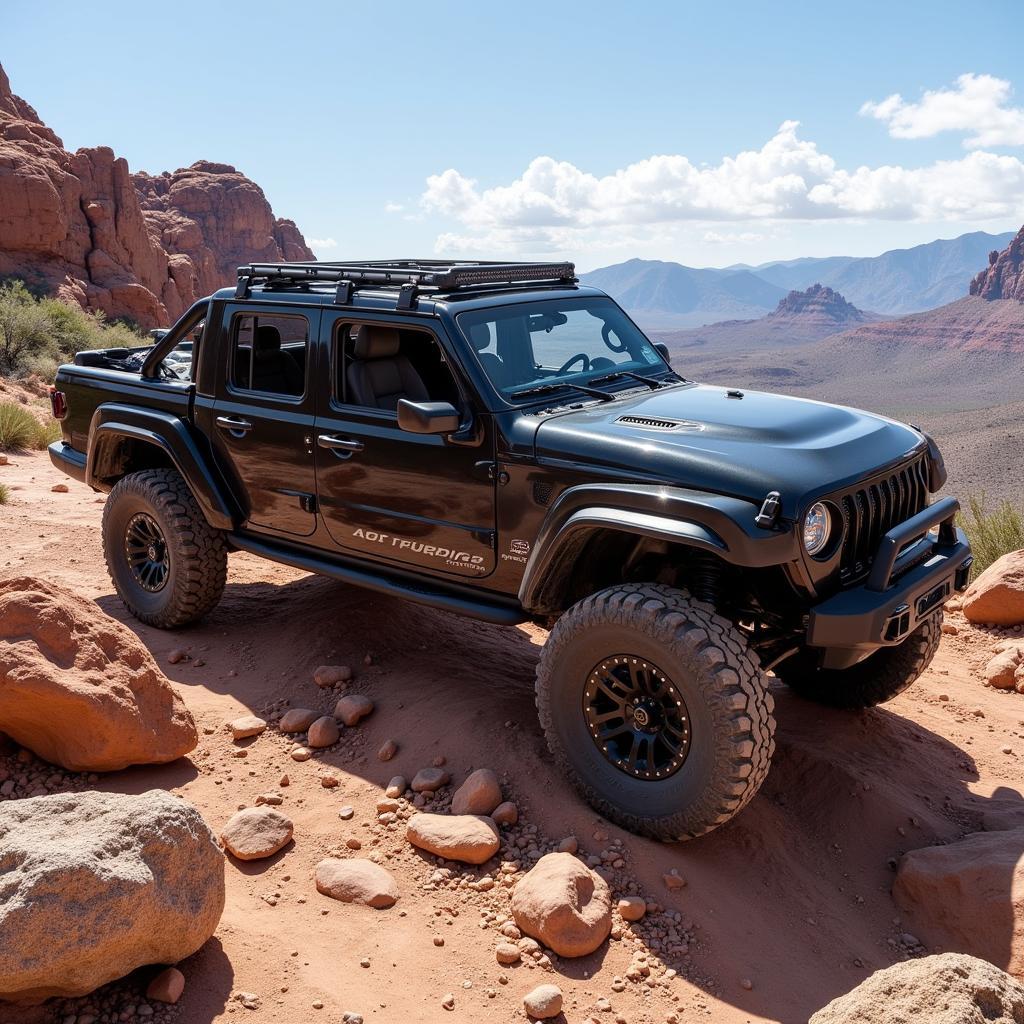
[[263, 414], [388, 494]]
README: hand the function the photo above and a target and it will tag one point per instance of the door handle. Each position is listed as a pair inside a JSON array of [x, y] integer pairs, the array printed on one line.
[[344, 444], [234, 424]]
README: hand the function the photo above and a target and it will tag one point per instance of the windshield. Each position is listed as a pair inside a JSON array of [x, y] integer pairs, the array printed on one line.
[[553, 342]]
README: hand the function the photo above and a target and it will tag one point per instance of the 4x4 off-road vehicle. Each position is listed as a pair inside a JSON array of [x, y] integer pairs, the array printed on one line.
[[496, 440]]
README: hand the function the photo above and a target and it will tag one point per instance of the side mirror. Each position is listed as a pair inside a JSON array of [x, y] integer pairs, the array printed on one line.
[[427, 417], [663, 349]]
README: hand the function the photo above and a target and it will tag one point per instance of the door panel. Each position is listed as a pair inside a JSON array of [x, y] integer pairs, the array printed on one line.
[[409, 499], [265, 441]]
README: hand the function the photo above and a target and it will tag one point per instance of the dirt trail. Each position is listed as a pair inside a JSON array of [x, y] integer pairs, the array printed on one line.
[[793, 896]]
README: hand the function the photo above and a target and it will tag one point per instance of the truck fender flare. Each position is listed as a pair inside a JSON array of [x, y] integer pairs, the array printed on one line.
[[112, 422], [717, 523]]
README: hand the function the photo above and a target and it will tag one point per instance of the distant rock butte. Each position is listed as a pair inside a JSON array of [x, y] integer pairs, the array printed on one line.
[[819, 303], [138, 246], [1003, 278]]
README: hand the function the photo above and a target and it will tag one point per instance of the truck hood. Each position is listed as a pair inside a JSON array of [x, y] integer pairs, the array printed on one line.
[[698, 436]]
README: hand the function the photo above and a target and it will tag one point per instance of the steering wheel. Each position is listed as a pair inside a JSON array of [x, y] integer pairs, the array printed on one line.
[[607, 336], [580, 357]]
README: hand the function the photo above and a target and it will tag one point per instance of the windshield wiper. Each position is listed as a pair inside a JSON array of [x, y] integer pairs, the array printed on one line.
[[547, 389], [649, 381]]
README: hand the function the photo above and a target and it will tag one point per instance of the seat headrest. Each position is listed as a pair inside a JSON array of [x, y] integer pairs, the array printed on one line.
[[268, 339], [480, 336], [374, 342]]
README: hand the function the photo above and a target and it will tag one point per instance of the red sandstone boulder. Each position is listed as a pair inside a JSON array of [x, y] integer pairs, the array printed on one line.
[[78, 688], [997, 595]]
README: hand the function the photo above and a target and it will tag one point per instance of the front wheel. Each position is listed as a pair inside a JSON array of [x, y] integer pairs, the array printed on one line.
[[167, 563], [875, 680], [655, 710]]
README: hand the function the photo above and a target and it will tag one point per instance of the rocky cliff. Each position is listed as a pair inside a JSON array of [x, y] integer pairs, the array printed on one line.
[[137, 246], [1003, 278]]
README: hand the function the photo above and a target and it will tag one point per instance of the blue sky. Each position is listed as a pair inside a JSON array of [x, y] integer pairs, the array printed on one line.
[[598, 131]]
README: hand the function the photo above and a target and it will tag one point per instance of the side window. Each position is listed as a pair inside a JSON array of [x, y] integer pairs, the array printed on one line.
[[269, 354], [376, 365]]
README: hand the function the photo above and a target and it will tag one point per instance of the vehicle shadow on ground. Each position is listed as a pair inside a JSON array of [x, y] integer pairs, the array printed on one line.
[[794, 895]]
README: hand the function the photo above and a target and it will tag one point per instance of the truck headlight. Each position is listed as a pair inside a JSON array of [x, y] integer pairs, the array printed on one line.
[[817, 528]]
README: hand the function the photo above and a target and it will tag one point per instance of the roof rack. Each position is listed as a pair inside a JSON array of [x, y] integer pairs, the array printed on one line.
[[409, 276]]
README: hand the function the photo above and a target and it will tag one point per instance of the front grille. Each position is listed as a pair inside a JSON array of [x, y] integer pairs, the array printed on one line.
[[873, 508]]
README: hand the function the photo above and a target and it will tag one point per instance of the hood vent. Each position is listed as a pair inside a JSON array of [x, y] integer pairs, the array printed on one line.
[[656, 423]]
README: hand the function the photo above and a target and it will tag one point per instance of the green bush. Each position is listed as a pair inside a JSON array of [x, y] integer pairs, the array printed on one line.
[[20, 429], [992, 534], [36, 334], [5, 494]]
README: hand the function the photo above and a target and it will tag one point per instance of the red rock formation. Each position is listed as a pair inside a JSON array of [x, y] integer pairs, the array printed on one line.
[[822, 304], [1003, 278], [82, 226]]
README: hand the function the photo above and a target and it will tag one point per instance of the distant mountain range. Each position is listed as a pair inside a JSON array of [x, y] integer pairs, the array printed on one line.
[[668, 295]]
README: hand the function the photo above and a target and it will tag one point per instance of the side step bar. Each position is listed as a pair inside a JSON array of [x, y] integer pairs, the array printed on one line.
[[447, 598]]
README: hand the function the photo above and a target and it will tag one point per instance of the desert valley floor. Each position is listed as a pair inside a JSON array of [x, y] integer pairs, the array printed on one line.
[[783, 909]]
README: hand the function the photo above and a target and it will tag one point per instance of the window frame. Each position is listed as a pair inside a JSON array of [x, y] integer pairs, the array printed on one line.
[[243, 392]]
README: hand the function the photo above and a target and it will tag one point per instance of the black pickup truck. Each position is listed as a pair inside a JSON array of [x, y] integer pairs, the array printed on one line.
[[497, 440]]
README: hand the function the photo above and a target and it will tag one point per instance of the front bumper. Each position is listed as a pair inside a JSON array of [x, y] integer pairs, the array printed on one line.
[[913, 573]]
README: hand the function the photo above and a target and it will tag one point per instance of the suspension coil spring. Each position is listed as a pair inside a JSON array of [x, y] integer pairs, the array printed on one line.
[[705, 576]]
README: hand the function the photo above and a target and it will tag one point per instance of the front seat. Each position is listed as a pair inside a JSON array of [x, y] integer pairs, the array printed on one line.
[[273, 369], [480, 336], [378, 375]]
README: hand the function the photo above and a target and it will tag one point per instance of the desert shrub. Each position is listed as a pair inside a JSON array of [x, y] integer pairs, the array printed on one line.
[[18, 427], [47, 432], [991, 533], [5, 494], [36, 334]]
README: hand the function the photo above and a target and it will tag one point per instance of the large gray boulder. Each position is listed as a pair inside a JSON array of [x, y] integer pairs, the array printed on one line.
[[94, 885]]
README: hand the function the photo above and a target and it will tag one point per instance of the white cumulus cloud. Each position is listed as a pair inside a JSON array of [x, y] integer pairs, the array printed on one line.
[[555, 206], [323, 243], [978, 105]]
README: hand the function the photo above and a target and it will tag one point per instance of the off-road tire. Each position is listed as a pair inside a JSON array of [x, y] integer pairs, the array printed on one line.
[[706, 657], [197, 553], [875, 680]]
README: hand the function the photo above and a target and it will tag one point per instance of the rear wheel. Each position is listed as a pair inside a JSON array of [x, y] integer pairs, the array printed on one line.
[[875, 680], [655, 710], [166, 562]]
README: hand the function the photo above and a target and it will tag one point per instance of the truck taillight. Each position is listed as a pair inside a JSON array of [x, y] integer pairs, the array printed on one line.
[[59, 404]]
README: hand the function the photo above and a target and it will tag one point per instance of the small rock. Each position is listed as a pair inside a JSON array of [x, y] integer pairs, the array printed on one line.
[[506, 813], [397, 786], [356, 881], [284, 781], [387, 751], [176, 656], [746, 983], [568, 845], [352, 708], [59, 488], [479, 794], [346, 813], [297, 720], [429, 780], [468, 838], [949, 629], [632, 908], [256, 832], [246, 726], [271, 799], [448, 1002], [330, 675], [167, 986], [673, 880], [544, 1002], [507, 954], [329, 781], [324, 732], [301, 753]]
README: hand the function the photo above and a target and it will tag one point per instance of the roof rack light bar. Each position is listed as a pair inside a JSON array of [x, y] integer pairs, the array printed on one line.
[[407, 275]]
